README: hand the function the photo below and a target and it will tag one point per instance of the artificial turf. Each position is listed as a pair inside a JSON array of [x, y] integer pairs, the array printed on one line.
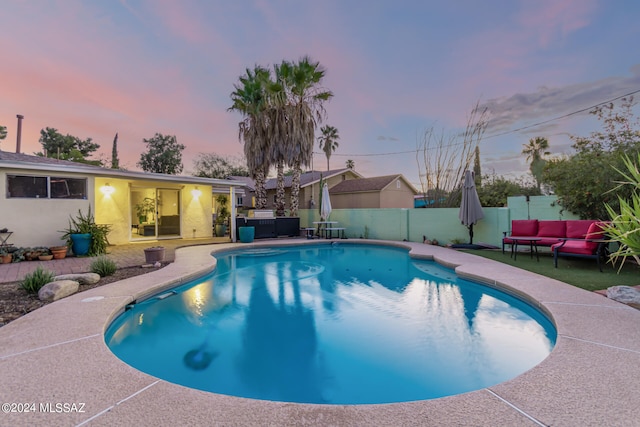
[[579, 272]]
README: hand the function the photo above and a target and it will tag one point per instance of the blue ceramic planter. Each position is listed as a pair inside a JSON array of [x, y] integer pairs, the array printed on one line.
[[247, 234], [80, 243]]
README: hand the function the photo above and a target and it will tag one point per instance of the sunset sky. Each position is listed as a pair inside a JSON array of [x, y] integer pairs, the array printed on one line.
[[136, 67]]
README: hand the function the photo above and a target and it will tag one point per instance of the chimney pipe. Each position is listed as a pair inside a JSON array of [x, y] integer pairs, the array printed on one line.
[[19, 137]]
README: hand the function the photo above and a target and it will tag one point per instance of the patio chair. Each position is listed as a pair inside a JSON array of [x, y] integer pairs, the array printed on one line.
[[593, 246]]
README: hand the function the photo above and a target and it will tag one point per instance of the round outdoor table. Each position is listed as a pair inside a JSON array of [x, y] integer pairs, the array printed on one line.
[[533, 245]]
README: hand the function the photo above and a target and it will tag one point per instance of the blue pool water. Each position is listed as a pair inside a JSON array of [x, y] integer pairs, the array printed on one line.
[[332, 324]]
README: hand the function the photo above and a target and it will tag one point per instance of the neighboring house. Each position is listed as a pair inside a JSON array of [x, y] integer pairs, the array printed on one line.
[[391, 191], [309, 187], [41, 195], [245, 193]]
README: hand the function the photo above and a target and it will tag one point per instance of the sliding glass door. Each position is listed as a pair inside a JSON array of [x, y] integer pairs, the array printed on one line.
[[155, 212]]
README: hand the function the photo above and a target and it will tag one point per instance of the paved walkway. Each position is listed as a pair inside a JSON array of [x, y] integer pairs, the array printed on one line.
[[129, 255], [57, 356]]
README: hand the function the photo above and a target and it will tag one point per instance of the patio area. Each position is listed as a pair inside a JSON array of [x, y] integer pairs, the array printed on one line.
[[57, 355]]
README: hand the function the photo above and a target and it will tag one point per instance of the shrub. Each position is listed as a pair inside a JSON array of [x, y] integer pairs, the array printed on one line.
[[103, 266], [32, 282], [85, 224]]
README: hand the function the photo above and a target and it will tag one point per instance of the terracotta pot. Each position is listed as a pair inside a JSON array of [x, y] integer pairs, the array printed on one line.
[[58, 252], [45, 257], [5, 259]]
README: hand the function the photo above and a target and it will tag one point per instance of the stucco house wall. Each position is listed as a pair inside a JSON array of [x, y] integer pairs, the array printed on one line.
[[42, 221], [392, 191], [398, 194], [38, 221]]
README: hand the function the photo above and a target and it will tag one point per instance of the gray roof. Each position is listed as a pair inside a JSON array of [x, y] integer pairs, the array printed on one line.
[[307, 178], [41, 160], [39, 163], [247, 181], [376, 183]]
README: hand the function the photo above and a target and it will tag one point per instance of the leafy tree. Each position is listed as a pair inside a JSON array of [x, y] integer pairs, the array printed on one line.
[[350, 164], [477, 171], [328, 141], [585, 181], [535, 152], [67, 147], [212, 165], [443, 158], [163, 155], [496, 189], [115, 163], [3, 132]]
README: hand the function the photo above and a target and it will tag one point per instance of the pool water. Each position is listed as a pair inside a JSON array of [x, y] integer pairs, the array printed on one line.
[[332, 324]]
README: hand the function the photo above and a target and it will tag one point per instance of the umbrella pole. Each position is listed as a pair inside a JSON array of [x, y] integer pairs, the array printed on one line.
[[471, 234]]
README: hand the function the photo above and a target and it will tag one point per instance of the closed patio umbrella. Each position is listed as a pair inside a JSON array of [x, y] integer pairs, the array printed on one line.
[[325, 204], [470, 209]]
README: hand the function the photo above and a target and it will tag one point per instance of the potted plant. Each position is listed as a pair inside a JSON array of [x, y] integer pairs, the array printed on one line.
[[5, 256], [85, 236], [222, 215], [45, 254], [144, 208], [58, 252], [154, 254]]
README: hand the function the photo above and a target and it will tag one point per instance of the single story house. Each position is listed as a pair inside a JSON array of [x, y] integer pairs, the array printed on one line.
[[41, 194], [390, 191]]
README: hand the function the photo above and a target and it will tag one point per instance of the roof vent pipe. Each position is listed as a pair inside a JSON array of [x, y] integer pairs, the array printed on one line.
[[19, 137]]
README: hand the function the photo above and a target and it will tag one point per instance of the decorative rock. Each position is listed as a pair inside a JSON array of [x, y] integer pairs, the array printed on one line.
[[624, 294], [54, 291], [82, 278]]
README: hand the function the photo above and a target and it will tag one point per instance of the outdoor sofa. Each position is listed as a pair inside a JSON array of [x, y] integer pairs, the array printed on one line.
[[577, 238]]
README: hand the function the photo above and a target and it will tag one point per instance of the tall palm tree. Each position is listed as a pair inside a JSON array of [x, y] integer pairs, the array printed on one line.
[[535, 152], [305, 112], [328, 141], [350, 164], [249, 98]]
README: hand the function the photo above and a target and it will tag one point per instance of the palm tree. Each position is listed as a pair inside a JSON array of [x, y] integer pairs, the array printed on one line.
[[535, 150], [328, 141], [249, 98], [305, 112], [350, 164]]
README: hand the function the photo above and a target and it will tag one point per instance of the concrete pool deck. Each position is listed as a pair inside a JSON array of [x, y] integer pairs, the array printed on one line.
[[55, 358]]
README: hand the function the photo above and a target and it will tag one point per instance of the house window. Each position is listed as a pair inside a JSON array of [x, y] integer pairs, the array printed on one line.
[[68, 188], [33, 187], [239, 201], [398, 184], [43, 187]]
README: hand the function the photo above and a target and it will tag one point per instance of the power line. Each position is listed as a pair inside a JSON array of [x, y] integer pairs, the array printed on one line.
[[564, 116]]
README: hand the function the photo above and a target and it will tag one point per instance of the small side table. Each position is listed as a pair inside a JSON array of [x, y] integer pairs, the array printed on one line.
[[533, 245], [3, 239]]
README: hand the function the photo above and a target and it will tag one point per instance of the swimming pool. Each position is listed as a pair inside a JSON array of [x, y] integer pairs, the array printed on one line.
[[338, 324]]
